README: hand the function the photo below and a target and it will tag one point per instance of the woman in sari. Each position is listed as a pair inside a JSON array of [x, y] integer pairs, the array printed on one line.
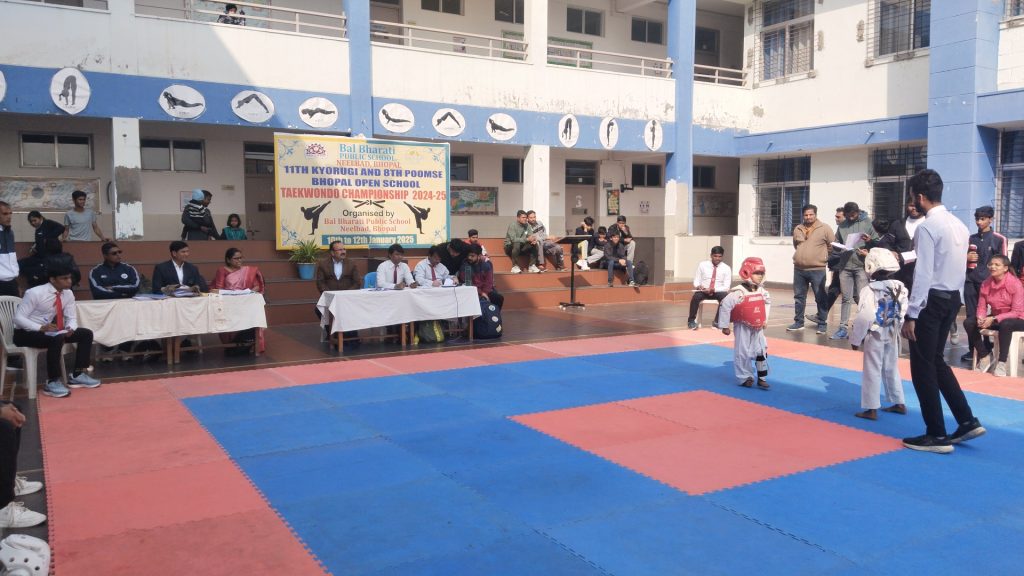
[[234, 276]]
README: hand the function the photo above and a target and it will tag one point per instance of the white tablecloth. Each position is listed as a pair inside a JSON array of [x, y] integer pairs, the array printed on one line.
[[359, 309], [115, 321]]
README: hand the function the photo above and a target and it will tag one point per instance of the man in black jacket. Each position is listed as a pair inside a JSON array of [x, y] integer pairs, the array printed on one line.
[[177, 270], [112, 278], [196, 220], [615, 255], [982, 246]]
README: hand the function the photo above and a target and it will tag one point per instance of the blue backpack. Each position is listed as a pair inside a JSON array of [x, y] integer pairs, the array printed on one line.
[[488, 324]]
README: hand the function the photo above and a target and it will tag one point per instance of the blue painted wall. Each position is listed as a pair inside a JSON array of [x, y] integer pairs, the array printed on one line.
[[360, 65]]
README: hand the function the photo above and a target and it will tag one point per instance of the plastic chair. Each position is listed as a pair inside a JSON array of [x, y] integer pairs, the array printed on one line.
[[30, 356], [370, 280], [700, 310]]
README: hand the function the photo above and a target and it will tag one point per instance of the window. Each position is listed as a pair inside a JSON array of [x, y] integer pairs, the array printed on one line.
[[704, 177], [56, 151], [890, 169], [647, 175], [648, 31], [1010, 197], [899, 26], [172, 155], [583, 21], [705, 40], [781, 189], [259, 159], [512, 170], [787, 37], [580, 172], [1014, 8], [446, 6], [509, 11], [461, 168]]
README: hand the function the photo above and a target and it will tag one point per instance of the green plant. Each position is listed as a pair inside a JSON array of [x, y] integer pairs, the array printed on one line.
[[306, 251]]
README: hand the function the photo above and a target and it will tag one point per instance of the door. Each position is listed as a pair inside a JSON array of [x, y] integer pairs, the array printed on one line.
[[580, 202], [380, 12]]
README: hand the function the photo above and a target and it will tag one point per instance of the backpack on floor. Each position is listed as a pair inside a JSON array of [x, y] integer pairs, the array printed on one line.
[[641, 274], [488, 324], [428, 332]]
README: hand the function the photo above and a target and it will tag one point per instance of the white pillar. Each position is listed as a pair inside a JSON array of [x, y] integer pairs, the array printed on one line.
[[537, 182], [127, 179], [535, 32]]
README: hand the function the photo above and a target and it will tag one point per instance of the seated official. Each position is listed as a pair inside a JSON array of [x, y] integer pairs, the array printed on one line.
[[394, 273], [430, 273], [337, 272], [616, 256], [1000, 307], [112, 278], [46, 318], [711, 280], [234, 275], [178, 271], [482, 276]]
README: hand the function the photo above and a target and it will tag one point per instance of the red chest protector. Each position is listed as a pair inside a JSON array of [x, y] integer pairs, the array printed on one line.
[[750, 310]]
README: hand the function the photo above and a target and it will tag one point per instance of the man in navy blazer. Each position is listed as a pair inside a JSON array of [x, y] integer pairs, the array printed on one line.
[[177, 270]]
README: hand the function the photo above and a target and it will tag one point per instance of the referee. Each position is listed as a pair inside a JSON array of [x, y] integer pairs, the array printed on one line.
[[941, 247]]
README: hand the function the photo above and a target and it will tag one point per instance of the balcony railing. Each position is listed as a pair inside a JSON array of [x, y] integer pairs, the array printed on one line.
[[716, 75], [576, 54], [251, 15], [439, 40]]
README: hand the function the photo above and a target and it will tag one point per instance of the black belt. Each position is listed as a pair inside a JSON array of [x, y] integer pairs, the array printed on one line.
[[944, 294]]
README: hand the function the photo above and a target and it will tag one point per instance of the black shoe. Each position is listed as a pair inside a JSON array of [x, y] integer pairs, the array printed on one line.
[[967, 357], [968, 431], [926, 443]]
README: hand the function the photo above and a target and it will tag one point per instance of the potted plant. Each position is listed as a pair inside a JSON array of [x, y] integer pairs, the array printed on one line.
[[305, 255]]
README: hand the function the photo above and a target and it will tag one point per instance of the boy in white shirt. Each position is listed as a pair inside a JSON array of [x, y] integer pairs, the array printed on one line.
[[393, 273], [711, 280]]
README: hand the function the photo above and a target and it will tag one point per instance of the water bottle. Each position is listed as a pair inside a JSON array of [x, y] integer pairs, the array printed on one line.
[[761, 363]]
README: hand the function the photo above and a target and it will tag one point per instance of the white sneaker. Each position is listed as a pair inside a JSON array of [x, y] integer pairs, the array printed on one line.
[[1000, 369], [583, 264], [516, 269], [15, 515], [985, 363], [533, 269], [954, 338], [23, 486]]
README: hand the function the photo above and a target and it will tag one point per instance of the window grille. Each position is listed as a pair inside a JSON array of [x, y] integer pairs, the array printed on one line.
[[1014, 8], [897, 28], [785, 38], [890, 169], [782, 188], [1010, 192]]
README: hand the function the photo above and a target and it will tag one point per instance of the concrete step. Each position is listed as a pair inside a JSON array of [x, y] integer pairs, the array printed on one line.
[[545, 297]]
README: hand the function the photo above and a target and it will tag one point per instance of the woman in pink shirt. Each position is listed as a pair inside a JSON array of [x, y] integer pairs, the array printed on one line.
[[1000, 307]]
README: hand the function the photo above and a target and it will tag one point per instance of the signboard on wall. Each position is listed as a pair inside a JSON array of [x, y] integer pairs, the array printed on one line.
[[47, 194], [613, 201], [475, 200], [365, 193]]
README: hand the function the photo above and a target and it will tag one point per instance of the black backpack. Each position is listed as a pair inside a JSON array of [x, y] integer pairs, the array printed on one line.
[[488, 324], [641, 274]]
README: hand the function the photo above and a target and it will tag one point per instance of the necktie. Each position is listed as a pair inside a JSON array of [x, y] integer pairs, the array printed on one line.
[[58, 308], [433, 276], [711, 287], [396, 274]]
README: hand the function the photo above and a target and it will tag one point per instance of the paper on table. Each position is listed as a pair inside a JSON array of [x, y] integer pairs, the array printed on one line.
[[149, 297], [448, 282], [851, 241], [909, 257], [242, 292]]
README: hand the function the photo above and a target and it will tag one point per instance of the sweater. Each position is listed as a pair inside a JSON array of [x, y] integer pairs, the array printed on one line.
[[1006, 298], [812, 246]]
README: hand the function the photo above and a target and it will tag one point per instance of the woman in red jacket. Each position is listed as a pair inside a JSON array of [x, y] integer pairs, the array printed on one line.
[[1000, 307]]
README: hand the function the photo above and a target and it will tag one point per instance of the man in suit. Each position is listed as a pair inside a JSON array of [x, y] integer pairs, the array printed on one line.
[[337, 272], [177, 270]]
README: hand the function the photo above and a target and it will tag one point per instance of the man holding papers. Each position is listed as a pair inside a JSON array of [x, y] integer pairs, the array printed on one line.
[[430, 273], [393, 273], [853, 232], [46, 318]]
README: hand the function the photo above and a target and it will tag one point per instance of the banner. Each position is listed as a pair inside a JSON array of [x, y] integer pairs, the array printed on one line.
[[366, 193]]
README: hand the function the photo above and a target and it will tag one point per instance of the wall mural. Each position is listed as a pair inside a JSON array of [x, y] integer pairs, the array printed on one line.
[[448, 122], [252, 106], [318, 112], [47, 194], [396, 118], [3, 86], [653, 135], [180, 101], [608, 133], [501, 126], [568, 130], [70, 90]]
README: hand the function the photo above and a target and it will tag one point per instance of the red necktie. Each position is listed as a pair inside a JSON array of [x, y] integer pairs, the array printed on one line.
[[433, 276], [711, 288], [396, 273], [58, 307]]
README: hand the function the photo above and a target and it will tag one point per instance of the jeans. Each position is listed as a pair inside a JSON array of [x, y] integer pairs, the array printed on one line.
[[816, 278], [613, 264], [852, 282]]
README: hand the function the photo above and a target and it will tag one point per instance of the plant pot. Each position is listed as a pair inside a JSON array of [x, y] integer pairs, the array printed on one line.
[[306, 270]]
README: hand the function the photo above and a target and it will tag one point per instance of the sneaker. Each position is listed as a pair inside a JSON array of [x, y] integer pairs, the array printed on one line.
[[533, 269], [542, 269], [967, 357], [840, 334], [691, 325], [954, 339], [23, 486], [926, 443], [1000, 369], [582, 264], [83, 380], [56, 389], [15, 515], [985, 363], [633, 284], [968, 431], [812, 318], [610, 284], [795, 326], [822, 329], [516, 269]]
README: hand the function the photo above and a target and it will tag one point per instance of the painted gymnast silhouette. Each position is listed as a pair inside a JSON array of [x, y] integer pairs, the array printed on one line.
[[495, 127], [314, 111], [567, 130], [608, 131], [654, 131], [70, 88], [391, 120], [420, 214], [448, 116], [313, 214], [252, 98], [173, 102]]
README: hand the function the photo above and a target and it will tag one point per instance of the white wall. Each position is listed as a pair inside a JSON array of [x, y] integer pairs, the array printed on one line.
[[726, 185], [1011, 57]]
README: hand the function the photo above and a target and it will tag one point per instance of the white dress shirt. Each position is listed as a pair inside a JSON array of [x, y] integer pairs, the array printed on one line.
[[702, 277], [386, 274], [338, 269], [36, 308], [179, 269], [941, 246], [423, 277]]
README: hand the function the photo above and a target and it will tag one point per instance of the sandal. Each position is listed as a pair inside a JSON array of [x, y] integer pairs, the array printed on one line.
[[748, 383], [763, 384], [896, 409], [869, 414]]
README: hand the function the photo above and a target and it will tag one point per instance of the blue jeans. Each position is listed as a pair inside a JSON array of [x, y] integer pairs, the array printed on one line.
[[613, 264], [816, 278]]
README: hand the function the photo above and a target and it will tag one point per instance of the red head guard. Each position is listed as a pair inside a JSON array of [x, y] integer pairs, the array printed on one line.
[[750, 266]]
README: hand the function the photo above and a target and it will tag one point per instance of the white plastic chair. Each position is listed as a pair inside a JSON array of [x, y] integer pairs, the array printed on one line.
[[30, 356], [710, 303]]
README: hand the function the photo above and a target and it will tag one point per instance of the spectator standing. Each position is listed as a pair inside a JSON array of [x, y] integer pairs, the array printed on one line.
[[1016, 262], [813, 242], [981, 247], [80, 222], [852, 278], [519, 241], [453, 254], [941, 247], [711, 280], [197, 222], [9, 269], [903, 232], [232, 16], [1000, 307]]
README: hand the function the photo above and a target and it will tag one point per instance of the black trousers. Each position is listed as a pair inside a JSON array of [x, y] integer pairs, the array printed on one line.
[[54, 345], [10, 441], [931, 375], [835, 290], [1006, 328], [9, 287], [972, 292], [699, 297]]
